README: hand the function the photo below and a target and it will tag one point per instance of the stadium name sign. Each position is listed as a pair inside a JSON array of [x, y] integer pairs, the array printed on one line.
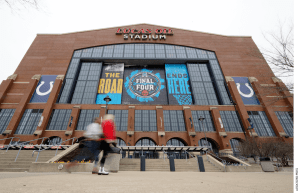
[[144, 34]]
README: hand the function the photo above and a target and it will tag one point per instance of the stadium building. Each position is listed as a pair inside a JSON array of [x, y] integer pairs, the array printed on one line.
[[160, 80]]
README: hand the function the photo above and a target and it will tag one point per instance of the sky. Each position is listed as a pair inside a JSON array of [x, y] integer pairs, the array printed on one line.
[[20, 25]]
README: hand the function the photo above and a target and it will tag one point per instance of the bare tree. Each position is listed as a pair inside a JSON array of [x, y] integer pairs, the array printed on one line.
[[279, 54], [16, 5]]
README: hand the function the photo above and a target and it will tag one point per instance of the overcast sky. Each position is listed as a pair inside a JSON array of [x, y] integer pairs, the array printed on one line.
[[231, 17]]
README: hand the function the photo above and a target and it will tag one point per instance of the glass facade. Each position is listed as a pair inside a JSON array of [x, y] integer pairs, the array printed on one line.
[[86, 117], [261, 123], [207, 122], [5, 117], [231, 121], [174, 121], [121, 119], [235, 145], [207, 80], [145, 120], [286, 122], [29, 121], [59, 119]]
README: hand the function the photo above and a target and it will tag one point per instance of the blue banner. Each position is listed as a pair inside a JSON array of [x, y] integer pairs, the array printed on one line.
[[43, 89], [111, 84], [179, 89], [144, 86], [246, 91]]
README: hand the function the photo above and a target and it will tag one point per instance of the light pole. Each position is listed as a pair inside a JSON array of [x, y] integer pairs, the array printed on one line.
[[106, 99], [202, 119]]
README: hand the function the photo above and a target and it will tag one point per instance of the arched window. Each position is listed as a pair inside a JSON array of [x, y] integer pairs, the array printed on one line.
[[121, 142], [145, 142], [175, 142], [235, 145], [210, 143]]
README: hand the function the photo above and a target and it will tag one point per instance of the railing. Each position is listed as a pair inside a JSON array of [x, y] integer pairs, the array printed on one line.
[[219, 159], [52, 146], [9, 145], [23, 143]]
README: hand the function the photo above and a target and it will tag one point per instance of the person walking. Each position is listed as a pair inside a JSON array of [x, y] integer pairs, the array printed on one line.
[[91, 145], [109, 133]]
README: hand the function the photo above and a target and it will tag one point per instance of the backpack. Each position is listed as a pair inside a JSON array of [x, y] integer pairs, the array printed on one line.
[[93, 131]]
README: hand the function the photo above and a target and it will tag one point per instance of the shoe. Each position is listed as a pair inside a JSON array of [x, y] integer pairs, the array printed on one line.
[[95, 171], [102, 172]]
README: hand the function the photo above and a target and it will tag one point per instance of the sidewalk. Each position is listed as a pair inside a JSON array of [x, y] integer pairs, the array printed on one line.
[[147, 182]]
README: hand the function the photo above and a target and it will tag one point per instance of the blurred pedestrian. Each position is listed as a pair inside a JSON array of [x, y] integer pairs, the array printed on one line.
[[91, 145], [109, 133]]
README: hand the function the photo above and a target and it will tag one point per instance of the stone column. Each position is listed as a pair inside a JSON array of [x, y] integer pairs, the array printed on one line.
[[72, 124], [239, 105], [222, 135], [49, 107], [160, 126], [5, 86], [189, 125], [275, 123], [12, 126], [284, 91], [130, 139]]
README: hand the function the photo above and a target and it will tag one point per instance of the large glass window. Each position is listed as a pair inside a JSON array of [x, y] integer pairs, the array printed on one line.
[[145, 120], [235, 143], [207, 122], [86, 117], [261, 123], [231, 121], [174, 121], [59, 119], [145, 142], [5, 117], [175, 142], [286, 122], [121, 119], [29, 121]]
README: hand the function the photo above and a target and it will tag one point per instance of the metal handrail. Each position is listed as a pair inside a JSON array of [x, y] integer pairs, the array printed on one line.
[[10, 142], [52, 146], [223, 161], [27, 142]]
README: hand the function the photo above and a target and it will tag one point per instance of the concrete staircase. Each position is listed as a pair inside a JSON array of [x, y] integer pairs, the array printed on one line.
[[8, 164], [129, 164], [160, 165], [183, 165], [208, 166]]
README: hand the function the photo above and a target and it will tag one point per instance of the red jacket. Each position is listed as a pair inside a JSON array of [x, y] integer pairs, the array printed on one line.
[[109, 132]]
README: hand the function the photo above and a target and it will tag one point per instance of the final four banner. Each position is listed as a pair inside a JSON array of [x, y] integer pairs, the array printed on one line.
[[246, 91], [43, 89], [111, 84], [144, 86], [179, 89]]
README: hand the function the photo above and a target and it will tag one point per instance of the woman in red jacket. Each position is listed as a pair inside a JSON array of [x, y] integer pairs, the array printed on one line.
[[109, 132]]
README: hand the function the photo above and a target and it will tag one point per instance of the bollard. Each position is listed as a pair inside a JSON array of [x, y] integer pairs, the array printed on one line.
[[201, 164], [172, 164], [143, 163]]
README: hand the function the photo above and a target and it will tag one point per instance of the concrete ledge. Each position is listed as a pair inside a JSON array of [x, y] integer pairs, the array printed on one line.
[[238, 160], [63, 153], [253, 168]]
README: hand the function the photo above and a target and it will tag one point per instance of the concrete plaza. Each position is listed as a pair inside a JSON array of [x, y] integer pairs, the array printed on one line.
[[124, 181]]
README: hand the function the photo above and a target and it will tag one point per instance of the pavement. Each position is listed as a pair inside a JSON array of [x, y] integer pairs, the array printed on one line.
[[125, 181]]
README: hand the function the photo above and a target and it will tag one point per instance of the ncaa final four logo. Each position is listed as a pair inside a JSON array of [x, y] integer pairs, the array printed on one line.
[[144, 85]]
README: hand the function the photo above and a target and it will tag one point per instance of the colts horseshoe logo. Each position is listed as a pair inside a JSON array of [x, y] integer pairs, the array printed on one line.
[[243, 94], [44, 93]]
